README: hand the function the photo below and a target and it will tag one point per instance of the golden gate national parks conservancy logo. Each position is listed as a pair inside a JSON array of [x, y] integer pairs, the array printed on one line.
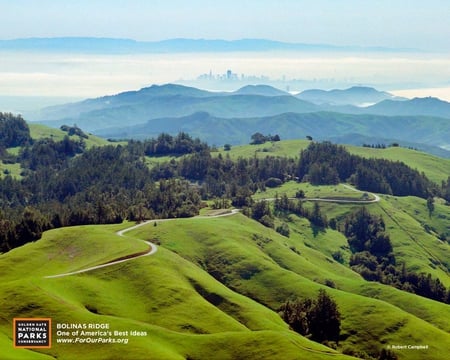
[[32, 333]]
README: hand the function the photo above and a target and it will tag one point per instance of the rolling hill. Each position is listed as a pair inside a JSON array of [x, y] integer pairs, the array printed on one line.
[[234, 116], [356, 96], [412, 130], [183, 310], [418, 106], [187, 313], [180, 45], [215, 286], [132, 108], [436, 168]]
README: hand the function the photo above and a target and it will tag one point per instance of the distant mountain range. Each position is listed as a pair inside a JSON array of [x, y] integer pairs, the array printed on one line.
[[350, 129], [231, 117], [109, 45], [357, 96]]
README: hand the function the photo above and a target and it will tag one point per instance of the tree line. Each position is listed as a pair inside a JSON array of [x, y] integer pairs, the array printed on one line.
[[327, 164], [14, 131], [373, 258], [64, 183]]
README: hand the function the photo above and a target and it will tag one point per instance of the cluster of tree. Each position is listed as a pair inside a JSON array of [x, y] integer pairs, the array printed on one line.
[[318, 318], [283, 205], [47, 153], [320, 163], [220, 176], [166, 144], [375, 146], [445, 189], [366, 232], [74, 130], [262, 212], [373, 258], [64, 184], [326, 163], [14, 131], [258, 138]]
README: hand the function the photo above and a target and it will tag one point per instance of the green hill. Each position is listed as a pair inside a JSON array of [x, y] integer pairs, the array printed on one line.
[[38, 131], [436, 168], [213, 287], [184, 311]]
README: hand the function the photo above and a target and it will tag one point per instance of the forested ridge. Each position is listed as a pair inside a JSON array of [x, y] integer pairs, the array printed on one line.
[[63, 183]]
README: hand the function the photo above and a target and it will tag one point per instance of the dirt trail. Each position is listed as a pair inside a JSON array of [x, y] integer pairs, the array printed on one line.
[[152, 247]]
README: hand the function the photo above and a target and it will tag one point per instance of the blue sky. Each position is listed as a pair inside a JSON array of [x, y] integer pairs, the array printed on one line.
[[394, 23]]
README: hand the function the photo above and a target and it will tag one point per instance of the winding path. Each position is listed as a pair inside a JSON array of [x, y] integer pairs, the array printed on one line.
[[152, 247]]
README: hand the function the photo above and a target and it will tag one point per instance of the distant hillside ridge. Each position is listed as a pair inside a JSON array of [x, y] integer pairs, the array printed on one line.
[[128, 46], [415, 130], [169, 100], [356, 96], [257, 108], [429, 106], [264, 90]]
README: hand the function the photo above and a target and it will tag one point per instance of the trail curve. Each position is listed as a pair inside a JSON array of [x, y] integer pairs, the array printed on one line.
[[152, 247]]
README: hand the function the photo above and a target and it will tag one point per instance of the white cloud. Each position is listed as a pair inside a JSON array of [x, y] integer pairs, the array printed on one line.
[[93, 75]]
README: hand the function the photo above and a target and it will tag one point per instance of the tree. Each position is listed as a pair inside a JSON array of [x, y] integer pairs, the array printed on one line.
[[283, 229], [257, 138], [317, 218], [273, 182], [430, 205], [325, 319], [261, 212], [227, 147], [387, 354], [296, 314], [319, 318]]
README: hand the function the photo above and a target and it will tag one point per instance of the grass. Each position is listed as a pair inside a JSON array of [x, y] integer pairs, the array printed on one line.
[[39, 131], [326, 192], [289, 148], [436, 168], [189, 313], [185, 311], [265, 266], [419, 240]]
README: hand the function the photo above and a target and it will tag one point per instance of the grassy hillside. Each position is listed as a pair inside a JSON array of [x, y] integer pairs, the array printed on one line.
[[436, 168], [185, 312], [419, 240], [213, 288], [39, 131], [265, 266]]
